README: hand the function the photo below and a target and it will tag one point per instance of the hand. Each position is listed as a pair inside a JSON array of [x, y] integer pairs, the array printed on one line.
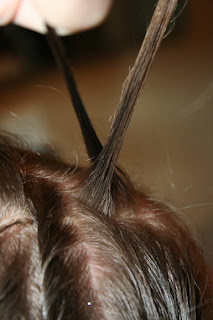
[[66, 16]]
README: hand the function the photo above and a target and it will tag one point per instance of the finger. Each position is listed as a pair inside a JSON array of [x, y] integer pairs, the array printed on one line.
[[8, 9], [71, 16], [29, 17]]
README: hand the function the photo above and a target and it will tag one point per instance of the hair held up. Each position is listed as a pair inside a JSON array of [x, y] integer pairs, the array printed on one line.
[[83, 243]]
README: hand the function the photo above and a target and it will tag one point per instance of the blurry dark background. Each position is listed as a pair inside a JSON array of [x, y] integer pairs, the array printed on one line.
[[169, 148]]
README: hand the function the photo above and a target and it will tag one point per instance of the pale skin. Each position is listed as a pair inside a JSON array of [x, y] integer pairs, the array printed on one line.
[[66, 16]]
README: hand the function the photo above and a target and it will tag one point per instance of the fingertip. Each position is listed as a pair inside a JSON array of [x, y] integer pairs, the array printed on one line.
[[66, 16], [28, 17], [8, 10], [72, 16]]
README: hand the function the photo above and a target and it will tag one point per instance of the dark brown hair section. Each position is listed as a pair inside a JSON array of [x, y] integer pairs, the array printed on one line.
[[60, 260]]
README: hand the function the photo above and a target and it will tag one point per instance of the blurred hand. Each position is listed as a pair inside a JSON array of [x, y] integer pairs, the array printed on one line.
[[66, 16]]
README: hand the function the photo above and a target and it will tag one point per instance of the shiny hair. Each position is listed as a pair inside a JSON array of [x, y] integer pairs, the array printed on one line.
[[83, 243], [62, 260]]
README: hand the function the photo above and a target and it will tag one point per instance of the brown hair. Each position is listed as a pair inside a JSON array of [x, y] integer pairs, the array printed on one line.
[[84, 243]]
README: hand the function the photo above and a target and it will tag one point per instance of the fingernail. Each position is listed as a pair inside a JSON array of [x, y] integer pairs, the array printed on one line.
[[64, 31]]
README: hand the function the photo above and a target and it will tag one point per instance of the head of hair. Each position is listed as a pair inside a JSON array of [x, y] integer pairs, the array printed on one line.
[[62, 260], [83, 243]]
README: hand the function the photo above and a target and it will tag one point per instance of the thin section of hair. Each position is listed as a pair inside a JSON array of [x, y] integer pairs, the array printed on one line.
[[98, 193], [91, 139]]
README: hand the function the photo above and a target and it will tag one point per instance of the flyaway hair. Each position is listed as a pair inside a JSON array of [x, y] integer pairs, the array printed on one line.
[[98, 192]]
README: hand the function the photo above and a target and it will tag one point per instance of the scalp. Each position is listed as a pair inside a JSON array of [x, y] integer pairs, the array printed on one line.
[[62, 260]]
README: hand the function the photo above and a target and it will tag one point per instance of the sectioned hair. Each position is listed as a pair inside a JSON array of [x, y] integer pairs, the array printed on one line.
[[83, 243]]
